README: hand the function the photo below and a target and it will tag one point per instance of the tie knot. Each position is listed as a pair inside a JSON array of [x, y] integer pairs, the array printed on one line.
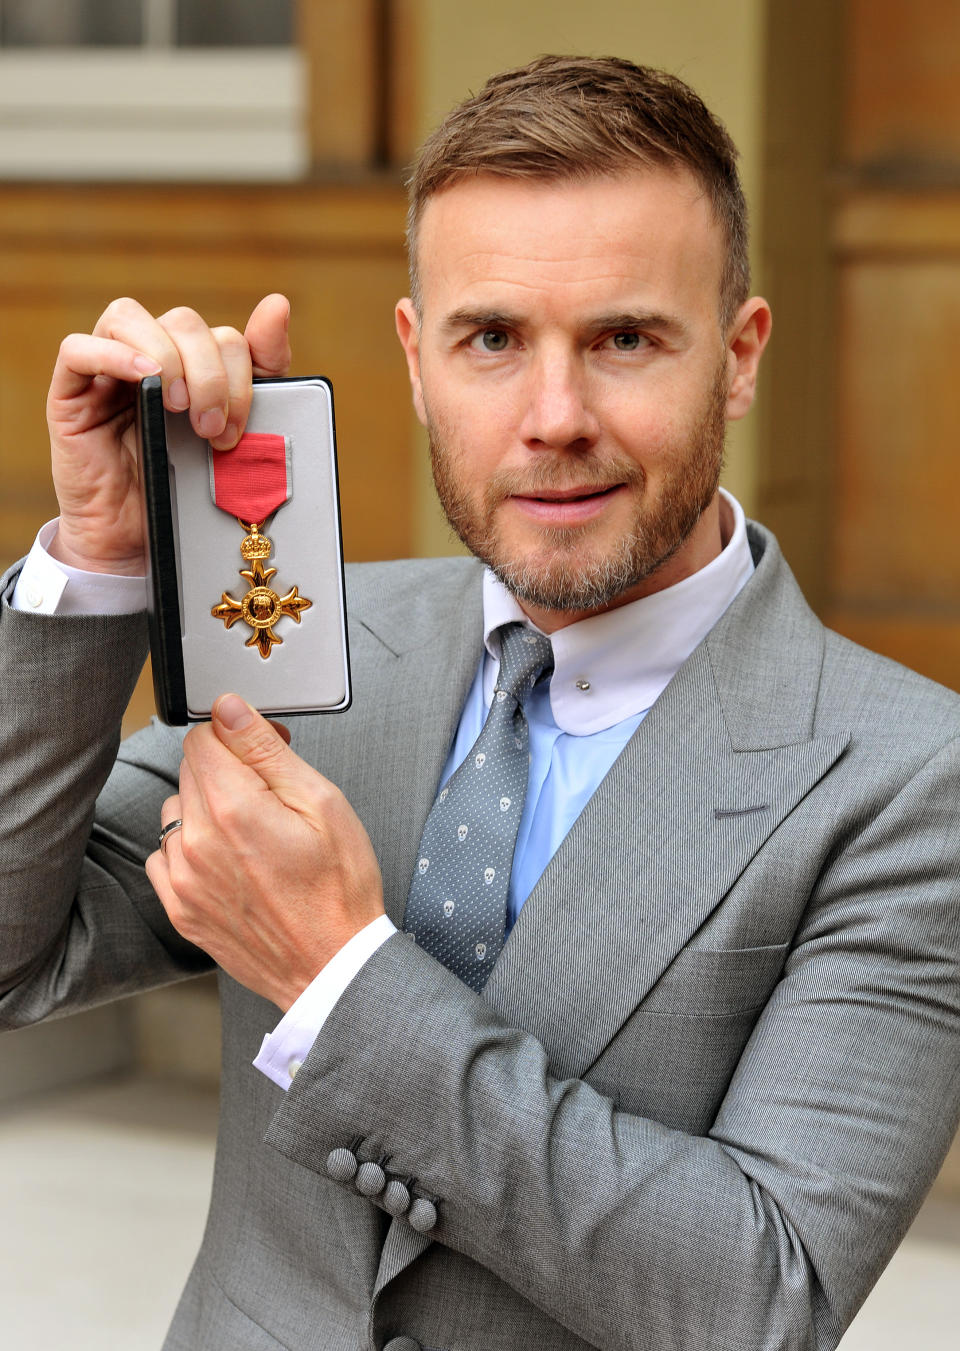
[[524, 657]]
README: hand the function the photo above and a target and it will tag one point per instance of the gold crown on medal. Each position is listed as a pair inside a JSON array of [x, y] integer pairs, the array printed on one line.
[[255, 546]]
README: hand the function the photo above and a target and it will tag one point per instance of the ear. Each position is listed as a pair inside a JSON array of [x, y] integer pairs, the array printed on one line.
[[745, 343], [408, 331]]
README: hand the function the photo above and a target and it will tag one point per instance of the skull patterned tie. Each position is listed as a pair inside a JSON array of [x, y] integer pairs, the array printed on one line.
[[457, 907]]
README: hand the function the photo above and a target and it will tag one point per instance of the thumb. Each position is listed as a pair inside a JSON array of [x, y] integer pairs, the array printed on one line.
[[266, 335], [261, 745]]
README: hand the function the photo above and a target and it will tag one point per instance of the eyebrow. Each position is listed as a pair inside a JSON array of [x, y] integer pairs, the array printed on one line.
[[645, 321], [466, 318]]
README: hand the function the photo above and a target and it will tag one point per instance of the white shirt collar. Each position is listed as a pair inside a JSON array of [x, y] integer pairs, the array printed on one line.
[[616, 664]]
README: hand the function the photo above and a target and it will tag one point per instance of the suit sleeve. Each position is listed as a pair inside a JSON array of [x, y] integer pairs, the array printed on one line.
[[79, 923], [766, 1232]]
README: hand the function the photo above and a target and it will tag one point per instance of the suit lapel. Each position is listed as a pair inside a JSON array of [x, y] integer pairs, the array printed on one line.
[[677, 819]]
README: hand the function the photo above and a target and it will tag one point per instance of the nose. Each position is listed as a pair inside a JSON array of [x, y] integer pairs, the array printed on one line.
[[559, 410]]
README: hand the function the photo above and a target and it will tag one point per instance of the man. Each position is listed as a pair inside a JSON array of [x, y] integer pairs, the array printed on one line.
[[697, 1095]]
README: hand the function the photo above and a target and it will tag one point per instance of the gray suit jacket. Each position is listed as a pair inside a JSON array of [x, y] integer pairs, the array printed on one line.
[[717, 1064]]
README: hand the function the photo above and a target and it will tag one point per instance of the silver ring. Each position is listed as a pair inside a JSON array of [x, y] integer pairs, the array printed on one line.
[[168, 829]]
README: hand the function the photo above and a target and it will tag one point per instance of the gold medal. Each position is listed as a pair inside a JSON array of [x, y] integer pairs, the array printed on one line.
[[261, 608]]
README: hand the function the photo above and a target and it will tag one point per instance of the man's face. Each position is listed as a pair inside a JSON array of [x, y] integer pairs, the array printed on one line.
[[571, 368]]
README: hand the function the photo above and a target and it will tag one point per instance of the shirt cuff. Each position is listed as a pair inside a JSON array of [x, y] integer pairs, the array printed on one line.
[[286, 1047], [47, 586]]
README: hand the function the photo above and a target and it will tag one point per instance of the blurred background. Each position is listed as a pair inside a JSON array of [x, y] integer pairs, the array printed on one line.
[[209, 151]]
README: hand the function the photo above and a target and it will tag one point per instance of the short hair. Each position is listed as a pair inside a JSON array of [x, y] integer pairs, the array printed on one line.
[[577, 117]]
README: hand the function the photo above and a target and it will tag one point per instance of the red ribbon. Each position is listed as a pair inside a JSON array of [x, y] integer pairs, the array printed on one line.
[[250, 481]]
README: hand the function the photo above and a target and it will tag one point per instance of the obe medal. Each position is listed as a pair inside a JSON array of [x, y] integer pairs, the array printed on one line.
[[251, 482]]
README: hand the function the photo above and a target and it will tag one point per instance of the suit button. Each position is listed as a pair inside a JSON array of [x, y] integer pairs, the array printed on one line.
[[402, 1344], [396, 1199], [422, 1216], [371, 1179], [341, 1165]]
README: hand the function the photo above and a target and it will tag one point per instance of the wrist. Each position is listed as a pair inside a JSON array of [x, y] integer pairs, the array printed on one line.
[[340, 963], [64, 548], [287, 992]]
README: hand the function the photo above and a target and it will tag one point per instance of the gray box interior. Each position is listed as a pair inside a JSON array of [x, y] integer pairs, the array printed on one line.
[[309, 669]]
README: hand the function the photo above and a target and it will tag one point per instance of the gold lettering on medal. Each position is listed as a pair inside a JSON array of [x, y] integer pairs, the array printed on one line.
[[261, 608]]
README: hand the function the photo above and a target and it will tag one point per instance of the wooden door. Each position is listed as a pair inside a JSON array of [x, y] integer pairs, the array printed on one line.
[[894, 541]]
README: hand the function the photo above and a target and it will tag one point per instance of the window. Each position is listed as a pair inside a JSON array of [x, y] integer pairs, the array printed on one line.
[[151, 89]]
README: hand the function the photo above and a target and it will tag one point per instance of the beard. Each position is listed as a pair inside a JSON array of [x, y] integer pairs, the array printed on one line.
[[568, 572]]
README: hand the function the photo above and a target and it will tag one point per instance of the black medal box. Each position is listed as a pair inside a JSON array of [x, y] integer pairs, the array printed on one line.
[[220, 619]]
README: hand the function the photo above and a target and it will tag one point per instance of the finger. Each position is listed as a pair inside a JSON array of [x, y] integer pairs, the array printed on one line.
[[193, 801], [157, 868], [235, 355], [158, 874], [83, 357], [170, 811], [227, 804], [260, 749], [214, 783], [204, 373], [127, 321], [267, 335], [213, 778]]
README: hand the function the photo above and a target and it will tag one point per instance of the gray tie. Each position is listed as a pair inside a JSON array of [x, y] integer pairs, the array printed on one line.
[[457, 907]]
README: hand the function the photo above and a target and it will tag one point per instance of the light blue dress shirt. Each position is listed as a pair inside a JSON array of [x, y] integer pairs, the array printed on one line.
[[565, 771]]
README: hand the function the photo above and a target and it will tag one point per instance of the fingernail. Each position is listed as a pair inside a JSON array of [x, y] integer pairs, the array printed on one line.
[[212, 422], [233, 712], [230, 437], [147, 366], [177, 396]]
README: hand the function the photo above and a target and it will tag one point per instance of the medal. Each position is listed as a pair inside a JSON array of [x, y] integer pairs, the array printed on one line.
[[251, 482], [261, 607]]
